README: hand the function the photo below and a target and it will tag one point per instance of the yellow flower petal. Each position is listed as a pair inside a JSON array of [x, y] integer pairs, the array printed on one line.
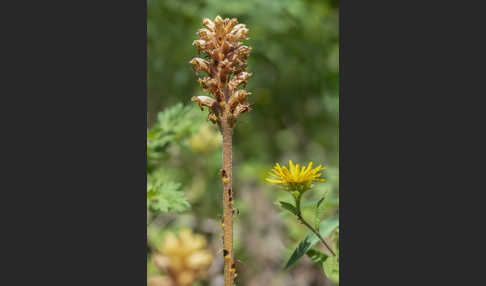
[[295, 174]]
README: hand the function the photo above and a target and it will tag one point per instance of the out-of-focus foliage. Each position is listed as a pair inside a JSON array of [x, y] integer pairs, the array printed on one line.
[[295, 90], [295, 64], [173, 125], [166, 197]]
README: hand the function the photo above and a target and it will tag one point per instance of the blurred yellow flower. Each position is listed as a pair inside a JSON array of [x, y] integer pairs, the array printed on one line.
[[184, 257], [205, 140], [295, 177]]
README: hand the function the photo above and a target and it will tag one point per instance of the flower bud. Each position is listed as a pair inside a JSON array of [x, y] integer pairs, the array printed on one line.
[[200, 64], [240, 97], [230, 25], [239, 79], [204, 101], [205, 34], [218, 23], [241, 109], [227, 59], [208, 23]]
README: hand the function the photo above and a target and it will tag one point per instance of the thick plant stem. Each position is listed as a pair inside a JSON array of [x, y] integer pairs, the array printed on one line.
[[228, 212]]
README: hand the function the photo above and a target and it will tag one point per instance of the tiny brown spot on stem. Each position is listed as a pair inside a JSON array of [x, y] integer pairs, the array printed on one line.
[[224, 176]]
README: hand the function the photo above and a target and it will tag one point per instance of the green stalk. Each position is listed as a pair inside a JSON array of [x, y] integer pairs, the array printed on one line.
[[297, 198]]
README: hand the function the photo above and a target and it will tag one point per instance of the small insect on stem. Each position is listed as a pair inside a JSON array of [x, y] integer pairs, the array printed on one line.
[[225, 254], [224, 176]]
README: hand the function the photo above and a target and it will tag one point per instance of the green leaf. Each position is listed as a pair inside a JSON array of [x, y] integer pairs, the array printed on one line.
[[291, 208], [317, 256], [331, 268], [326, 227], [166, 197], [151, 194], [320, 210], [307, 204], [305, 245]]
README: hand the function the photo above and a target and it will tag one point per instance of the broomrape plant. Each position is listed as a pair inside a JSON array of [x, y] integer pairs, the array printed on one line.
[[224, 64]]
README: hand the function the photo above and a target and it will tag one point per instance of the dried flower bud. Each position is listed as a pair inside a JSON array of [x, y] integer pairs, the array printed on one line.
[[219, 26], [213, 118], [220, 40], [244, 51], [201, 44], [204, 101], [209, 85], [238, 80], [205, 34], [230, 24], [208, 23], [237, 28], [240, 97], [200, 64], [241, 109], [240, 34]]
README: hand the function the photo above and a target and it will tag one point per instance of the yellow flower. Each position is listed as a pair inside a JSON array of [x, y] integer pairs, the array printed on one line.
[[205, 140], [295, 177], [184, 257]]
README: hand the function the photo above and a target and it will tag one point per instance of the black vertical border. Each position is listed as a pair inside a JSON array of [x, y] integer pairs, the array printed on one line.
[[410, 153], [74, 196]]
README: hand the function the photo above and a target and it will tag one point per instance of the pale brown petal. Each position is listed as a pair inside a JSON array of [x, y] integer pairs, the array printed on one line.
[[204, 101], [239, 79], [200, 64], [208, 23]]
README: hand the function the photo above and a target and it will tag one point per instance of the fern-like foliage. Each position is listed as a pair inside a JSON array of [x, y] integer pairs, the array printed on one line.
[[166, 197], [174, 125]]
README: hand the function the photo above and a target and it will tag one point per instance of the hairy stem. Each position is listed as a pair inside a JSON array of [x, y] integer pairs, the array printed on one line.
[[227, 202], [303, 221]]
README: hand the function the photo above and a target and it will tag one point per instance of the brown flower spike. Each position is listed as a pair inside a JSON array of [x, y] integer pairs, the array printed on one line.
[[225, 67]]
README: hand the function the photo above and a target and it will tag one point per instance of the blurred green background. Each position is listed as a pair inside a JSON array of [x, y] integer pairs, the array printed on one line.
[[294, 62]]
